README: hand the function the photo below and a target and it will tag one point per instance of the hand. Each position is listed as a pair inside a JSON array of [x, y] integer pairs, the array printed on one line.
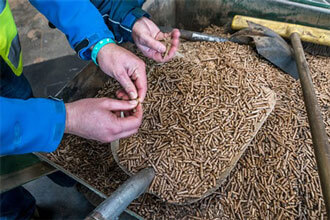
[[98, 119], [147, 36], [126, 68]]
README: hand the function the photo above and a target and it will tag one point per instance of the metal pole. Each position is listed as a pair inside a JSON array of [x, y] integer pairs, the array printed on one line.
[[319, 135], [112, 207], [195, 36]]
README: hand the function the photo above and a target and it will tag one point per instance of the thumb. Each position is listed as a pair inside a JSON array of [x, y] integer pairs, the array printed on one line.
[[120, 105], [154, 44]]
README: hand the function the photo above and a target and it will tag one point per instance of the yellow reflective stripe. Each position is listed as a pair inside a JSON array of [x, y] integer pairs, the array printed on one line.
[[10, 49]]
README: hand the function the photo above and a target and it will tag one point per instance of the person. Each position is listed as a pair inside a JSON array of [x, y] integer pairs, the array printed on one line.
[[94, 29]]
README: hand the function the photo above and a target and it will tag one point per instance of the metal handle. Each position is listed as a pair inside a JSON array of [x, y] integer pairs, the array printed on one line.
[[319, 135], [112, 207], [195, 36]]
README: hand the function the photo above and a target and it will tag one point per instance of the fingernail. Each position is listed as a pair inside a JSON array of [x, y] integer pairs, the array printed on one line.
[[132, 95], [133, 102]]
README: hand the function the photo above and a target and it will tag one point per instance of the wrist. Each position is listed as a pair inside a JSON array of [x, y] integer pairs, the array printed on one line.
[[68, 119], [105, 53], [98, 46]]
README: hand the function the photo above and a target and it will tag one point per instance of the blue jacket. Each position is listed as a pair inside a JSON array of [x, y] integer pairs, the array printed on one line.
[[38, 124], [82, 20]]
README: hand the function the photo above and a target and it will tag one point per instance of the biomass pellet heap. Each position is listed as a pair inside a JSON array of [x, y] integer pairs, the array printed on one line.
[[275, 178], [199, 117]]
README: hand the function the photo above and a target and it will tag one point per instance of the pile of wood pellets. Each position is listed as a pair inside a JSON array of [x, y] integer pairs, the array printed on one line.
[[198, 118], [275, 178]]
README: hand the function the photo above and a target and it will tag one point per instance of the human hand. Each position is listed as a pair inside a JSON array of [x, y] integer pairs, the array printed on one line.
[[147, 37], [98, 118], [126, 68]]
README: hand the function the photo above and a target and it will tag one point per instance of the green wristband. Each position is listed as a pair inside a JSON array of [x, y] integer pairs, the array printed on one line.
[[98, 47]]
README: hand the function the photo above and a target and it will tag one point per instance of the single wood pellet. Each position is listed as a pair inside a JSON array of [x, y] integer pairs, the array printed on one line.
[[275, 179]]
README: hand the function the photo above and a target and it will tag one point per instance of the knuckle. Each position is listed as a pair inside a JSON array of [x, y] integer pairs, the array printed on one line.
[[119, 75]]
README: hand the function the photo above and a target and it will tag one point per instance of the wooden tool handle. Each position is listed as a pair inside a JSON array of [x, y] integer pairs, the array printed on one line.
[[319, 135]]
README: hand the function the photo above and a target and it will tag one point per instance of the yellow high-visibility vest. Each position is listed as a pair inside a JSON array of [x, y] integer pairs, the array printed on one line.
[[10, 48]]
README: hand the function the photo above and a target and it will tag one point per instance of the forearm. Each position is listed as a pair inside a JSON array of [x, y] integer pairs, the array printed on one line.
[[34, 125], [80, 21]]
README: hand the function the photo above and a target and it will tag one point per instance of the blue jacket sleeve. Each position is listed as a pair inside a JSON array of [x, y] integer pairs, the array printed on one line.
[[120, 16], [33, 125], [80, 21]]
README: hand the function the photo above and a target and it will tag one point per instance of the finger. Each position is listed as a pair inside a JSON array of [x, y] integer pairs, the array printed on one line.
[[127, 84], [133, 121], [121, 94], [162, 36], [120, 105], [140, 81], [158, 57], [152, 43], [175, 39], [175, 33]]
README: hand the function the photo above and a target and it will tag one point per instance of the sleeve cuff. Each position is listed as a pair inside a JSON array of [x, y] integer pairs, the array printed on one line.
[[129, 21], [59, 117], [33, 125], [82, 48]]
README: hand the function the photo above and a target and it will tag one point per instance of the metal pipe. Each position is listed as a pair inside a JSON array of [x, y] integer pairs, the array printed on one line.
[[132, 188], [319, 135], [195, 36]]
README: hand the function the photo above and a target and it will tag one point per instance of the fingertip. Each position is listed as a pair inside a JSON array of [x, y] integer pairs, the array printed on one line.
[[161, 48], [138, 110], [132, 95], [176, 33]]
